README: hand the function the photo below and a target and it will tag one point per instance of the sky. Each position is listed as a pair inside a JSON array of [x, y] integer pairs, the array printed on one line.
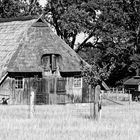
[[42, 2]]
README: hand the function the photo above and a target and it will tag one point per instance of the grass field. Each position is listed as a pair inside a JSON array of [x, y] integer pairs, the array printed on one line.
[[70, 122]]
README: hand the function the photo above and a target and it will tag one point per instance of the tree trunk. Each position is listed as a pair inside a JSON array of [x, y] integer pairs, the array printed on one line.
[[137, 71], [94, 110]]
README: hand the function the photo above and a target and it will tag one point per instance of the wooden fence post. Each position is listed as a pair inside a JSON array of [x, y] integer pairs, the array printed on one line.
[[89, 93], [91, 101], [32, 97], [96, 95], [48, 82], [129, 97], [55, 90], [94, 102]]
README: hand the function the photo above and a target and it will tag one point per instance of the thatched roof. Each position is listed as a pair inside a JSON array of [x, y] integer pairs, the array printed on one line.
[[133, 81], [24, 41]]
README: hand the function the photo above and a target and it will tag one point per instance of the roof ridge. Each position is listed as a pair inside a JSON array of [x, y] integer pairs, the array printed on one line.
[[21, 18]]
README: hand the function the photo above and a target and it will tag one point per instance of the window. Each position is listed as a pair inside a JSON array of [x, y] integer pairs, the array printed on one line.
[[49, 62], [46, 63], [78, 82], [18, 83], [54, 63]]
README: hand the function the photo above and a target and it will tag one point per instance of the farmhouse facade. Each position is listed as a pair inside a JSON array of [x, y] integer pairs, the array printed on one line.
[[132, 86], [30, 50]]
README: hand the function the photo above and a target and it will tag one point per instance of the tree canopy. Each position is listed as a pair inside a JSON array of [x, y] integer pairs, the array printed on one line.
[[16, 8], [69, 18], [113, 27]]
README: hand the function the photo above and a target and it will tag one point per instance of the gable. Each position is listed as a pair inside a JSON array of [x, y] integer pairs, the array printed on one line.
[[40, 23], [23, 42]]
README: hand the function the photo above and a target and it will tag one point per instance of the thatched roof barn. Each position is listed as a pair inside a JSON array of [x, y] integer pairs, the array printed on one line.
[[30, 49], [132, 85], [24, 41]]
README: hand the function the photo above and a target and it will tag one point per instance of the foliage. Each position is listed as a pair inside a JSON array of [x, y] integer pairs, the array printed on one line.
[[118, 39], [93, 74], [117, 65], [69, 18], [16, 8], [121, 27], [113, 27]]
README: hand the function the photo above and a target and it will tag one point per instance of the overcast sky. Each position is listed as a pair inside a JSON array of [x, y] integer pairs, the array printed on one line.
[[42, 2]]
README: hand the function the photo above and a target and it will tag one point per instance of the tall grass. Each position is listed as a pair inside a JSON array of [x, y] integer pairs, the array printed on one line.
[[69, 122]]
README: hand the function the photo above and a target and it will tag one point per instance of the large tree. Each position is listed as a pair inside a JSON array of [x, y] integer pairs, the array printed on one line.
[[120, 20], [114, 26], [69, 18]]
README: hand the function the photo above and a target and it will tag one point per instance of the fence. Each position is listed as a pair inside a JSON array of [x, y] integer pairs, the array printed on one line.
[[114, 94], [116, 91]]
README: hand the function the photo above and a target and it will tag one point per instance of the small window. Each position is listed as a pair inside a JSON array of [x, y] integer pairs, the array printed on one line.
[[77, 82], [54, 63], [18, 83], [49, 62], [46, 63]]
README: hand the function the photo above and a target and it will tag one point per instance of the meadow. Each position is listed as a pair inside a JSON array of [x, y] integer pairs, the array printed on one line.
[[70, 122]]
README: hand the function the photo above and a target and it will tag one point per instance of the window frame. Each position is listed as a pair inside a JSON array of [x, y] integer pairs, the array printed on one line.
[[19, 83], [46, 66], [76, 81], [52, 62]]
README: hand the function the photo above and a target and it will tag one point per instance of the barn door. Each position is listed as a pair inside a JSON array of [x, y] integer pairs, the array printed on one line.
[[39, 92], [26, 91], [61, 90], [51, 91], [57, 90]]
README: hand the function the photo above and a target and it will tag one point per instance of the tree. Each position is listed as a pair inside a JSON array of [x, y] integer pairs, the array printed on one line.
[[16, 8], [69, 18], [120, 20], [113, 25], [118, 38], [93, 74]]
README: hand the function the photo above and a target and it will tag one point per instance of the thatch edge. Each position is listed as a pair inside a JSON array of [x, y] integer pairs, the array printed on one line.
[[22, 18]]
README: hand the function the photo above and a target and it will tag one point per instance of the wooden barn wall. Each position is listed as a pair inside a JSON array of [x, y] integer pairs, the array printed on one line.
[[42, 91], [48, 91], [16, 96], [72, 90], [20, 96], [6, 90], [57, 91]]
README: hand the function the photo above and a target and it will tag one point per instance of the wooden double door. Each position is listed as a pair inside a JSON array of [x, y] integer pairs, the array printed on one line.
[[51, 91]]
